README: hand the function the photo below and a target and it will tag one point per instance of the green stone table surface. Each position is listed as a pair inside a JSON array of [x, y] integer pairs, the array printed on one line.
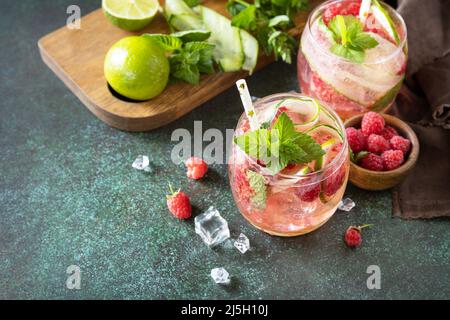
[[68, 196]]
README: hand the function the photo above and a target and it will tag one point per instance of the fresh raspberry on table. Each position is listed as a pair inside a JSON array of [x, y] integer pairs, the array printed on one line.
[[372, 162], [377, 144], [392, 159], [372, 122], [179, 204], [356, 139], [400, 143], [352, 236], [196, 168], [388, 132]]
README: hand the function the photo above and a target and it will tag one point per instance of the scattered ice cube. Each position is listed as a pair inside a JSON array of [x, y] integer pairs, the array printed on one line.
[[212, 228], [220, 276], [346, 204], [141, 162], [242, 243]]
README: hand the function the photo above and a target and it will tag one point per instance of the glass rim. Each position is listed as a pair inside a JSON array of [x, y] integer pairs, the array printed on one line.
[[325, 52], [263, 170]]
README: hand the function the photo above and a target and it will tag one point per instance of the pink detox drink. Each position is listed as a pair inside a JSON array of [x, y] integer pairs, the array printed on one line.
[[303, 196], [350, 87]]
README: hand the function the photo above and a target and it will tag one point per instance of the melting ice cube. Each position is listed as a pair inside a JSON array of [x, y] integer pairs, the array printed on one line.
[[141, 163], [220, 276], [211, 227], [346, 204], [242, 243]]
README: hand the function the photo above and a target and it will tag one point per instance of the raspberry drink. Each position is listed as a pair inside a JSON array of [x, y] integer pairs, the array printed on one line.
[[353, 60], [296, 197]]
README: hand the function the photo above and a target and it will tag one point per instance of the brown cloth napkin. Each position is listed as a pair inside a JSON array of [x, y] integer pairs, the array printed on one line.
[[425, 103]]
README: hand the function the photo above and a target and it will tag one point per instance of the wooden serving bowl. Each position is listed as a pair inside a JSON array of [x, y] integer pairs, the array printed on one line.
[[381, 180]]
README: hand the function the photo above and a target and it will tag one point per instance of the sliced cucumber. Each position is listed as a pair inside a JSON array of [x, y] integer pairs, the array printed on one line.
[[185, 22], [177, 7], [385, 20], [251, 50], [304, 106], [229, 52], [192, 35]]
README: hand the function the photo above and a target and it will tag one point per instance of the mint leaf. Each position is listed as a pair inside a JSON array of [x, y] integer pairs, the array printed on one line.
[[188, 62], [285, 127], [360, 155], [245, 19], [364, 41], [193, 3], [280, 146], [254, 143], [268, 20], [350, 40], [258, 185], [183, 66], [205, 50], [167, 42], [350, 54], [282, 20]]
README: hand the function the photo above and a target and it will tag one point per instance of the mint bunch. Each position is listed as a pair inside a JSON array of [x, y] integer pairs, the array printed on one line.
[[268, 21], [279, 146], [187, 59], [350, 41]]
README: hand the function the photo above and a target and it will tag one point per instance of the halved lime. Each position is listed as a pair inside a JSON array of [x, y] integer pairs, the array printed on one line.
[[385, 20], [130, 15]]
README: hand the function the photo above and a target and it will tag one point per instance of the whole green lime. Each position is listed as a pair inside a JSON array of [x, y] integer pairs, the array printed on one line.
[[137, 68]]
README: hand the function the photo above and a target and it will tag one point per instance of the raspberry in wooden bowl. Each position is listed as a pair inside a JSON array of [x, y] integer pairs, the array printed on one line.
[[384, 150]]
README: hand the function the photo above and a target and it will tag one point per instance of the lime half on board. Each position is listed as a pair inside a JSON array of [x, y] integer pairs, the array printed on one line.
[[130, 15]]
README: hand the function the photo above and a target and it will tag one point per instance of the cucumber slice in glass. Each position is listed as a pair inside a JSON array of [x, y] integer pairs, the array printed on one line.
[[387, 98], [307, 108], [385, 20]]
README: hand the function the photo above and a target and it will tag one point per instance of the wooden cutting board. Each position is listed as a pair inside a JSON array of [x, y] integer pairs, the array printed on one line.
[[76, 57]]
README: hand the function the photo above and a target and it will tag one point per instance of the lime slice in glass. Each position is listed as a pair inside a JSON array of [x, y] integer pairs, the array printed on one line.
[[130, 15], [328, 137]]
